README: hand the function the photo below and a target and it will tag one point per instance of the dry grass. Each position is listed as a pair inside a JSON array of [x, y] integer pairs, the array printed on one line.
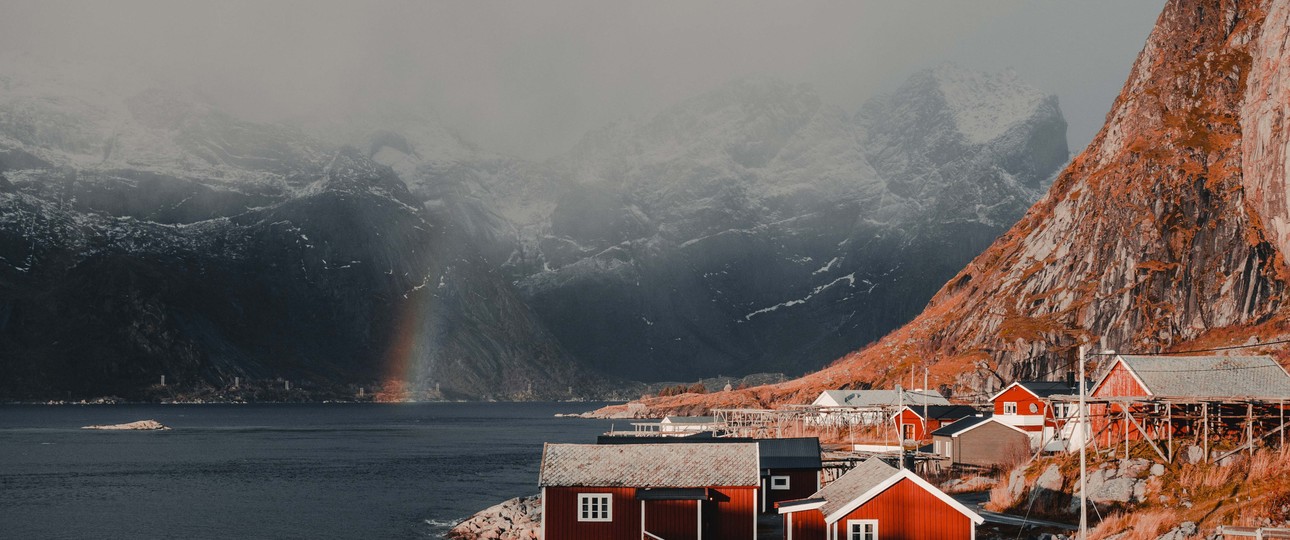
[[1001, 498], [1138, 525], [1252, 492]]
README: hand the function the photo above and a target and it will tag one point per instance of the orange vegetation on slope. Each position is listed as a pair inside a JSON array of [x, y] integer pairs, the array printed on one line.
[[1146, 241]]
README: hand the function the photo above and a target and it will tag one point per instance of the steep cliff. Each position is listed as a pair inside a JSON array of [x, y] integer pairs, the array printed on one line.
[[1168, 232]]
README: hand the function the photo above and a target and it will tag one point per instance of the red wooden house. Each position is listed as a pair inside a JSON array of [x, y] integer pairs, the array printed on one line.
[[876, 501], [1216, 381], [636, 491], [790, 467], [913, 427], [1023, 404]]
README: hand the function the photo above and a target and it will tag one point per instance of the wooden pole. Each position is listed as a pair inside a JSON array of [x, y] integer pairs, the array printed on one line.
[[1169, 419], [1126, 429], [1249, 425], [1083, 466], [1204, 419]]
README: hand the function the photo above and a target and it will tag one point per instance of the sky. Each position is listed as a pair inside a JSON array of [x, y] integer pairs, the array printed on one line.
[[529, 78]]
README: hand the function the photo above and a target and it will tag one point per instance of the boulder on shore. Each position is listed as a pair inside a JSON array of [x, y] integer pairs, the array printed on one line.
[[141, 425], [516, 519]]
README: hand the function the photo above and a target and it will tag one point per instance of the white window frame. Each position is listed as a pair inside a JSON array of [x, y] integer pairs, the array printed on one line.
[[1009, 407], [862, 535], [779, 483], [592, 505]]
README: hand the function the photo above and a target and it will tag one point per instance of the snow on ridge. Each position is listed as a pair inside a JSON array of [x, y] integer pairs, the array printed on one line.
[[986, 105], [849, 278]]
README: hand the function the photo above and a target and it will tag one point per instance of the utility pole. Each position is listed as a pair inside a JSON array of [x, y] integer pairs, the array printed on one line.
[[900, 432], [1083, 465], [925, 394]]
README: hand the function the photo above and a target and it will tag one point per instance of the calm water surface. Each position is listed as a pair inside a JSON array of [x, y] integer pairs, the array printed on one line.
[[270, 471]]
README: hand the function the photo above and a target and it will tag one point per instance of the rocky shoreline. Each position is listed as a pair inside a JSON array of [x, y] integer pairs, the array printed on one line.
[[516, 519]]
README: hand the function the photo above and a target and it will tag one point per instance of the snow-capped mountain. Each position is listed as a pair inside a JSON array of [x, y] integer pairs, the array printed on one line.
[[152, 234], [1167, 234], [757, 228]]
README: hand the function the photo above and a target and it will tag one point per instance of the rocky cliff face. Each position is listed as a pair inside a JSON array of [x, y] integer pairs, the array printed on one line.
[[1167, 232], [756, 228], [157, 236]]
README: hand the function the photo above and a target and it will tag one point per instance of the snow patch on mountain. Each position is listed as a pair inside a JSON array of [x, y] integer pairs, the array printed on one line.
[[986, 105]]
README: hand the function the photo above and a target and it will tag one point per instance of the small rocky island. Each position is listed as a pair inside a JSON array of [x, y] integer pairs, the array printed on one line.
[[141, 425]]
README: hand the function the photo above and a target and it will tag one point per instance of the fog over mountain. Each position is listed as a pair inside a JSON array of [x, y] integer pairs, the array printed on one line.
[[493, 201], [530, 78]]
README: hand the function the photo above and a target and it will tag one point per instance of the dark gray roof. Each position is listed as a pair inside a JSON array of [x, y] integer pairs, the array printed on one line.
[[649, 465], [1211, 376], [944, 412], [950, 429], [791, 453], [854, 483], [1047, 388], [797, 453]]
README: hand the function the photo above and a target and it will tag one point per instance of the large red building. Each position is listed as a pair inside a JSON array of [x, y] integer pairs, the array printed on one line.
[[790, 467], [1214, 382], [875, 500], [636, 491]]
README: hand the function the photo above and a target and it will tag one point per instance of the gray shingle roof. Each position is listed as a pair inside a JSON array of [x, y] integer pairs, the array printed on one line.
[[948, 430], [878, 398], [854, 483], [1211, 376], [649, 465]]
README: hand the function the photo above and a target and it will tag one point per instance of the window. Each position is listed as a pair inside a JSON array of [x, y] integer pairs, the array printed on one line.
[[1009, 407], [862, 529], [907, 431], [595, 507], [1034, 408], [779, 482]]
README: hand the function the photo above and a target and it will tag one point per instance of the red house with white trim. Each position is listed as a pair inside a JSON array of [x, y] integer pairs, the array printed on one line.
[[638, 491], [876, 501], [1022, 404]]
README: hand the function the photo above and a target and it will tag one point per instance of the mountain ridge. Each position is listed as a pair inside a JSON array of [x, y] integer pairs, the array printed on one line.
[[1145, 242]]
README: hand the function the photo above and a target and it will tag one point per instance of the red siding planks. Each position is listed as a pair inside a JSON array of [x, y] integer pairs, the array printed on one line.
[[729, 516], [906, 511], [561, 518], [1119, 382], [735, 515], [806, 525], [677, 520]]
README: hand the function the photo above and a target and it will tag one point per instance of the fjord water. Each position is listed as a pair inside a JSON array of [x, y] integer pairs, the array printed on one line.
[[270, 471]]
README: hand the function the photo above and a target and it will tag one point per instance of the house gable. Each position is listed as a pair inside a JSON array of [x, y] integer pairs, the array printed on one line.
[[1120, 380], [933, 494]]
